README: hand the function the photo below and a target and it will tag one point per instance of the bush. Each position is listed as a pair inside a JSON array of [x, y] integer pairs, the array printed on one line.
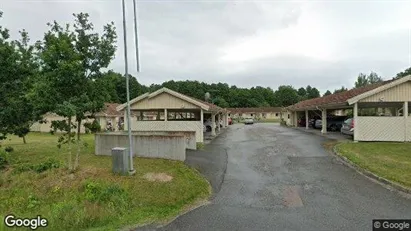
[[49, 164], [39, 168], [92, 127], [4, 159], [112, 194], [9, 149], [200, 145]]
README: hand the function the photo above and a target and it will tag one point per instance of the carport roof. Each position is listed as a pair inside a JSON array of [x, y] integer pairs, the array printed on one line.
[[334, 100], [255, 109]]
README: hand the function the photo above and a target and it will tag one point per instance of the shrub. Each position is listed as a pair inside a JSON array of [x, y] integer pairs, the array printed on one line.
[[49, 164], [200, 145], [93, 126], [9, 149], [4, 159], [112, 194]]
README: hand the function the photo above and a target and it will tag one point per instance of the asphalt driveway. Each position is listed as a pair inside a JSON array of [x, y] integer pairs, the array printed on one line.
[[282, 179]]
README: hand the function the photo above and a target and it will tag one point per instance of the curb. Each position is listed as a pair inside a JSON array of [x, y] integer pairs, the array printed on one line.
[[392, 186]]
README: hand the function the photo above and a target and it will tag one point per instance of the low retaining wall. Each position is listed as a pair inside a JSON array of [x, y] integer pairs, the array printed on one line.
[[153, 146], [190, 136]]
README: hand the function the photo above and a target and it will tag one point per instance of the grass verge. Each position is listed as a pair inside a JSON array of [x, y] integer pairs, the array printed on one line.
[[391, 161], [35, 182]]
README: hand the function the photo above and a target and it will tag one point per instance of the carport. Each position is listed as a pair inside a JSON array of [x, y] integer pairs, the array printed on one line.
[[168, 111], [380, 111]]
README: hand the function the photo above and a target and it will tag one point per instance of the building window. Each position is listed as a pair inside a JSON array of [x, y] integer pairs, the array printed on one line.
[[182, 115], [251, 114], [150, 115], [229, 114], [288, 116], [276, 114]]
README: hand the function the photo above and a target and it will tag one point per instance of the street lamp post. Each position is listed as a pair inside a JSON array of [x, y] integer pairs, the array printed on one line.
[[130, 144]]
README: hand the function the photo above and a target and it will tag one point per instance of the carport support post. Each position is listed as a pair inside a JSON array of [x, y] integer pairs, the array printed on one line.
[[355, 115], [218, 122], [306, 119], [165, 114], [324, 121], [213, 124], [405, 111]]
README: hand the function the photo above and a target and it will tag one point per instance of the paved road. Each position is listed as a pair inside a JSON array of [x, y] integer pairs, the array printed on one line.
[[282, 179]]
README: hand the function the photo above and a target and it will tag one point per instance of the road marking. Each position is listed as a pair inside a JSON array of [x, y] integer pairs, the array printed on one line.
[[292, 198]]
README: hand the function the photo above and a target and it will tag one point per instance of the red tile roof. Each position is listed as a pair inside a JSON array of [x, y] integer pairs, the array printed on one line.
[[335, 99], [109, 110], [254, 109]]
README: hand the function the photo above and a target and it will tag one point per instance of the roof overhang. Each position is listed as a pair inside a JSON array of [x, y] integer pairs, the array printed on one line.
[[379, 89], [164, 90]]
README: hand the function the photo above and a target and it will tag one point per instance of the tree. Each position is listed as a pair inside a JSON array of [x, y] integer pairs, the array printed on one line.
[[71, 61], [364, 80], [18, 69], [302, 93], [327, 93], [312, 92], [342, 89], [286, 96], [403, 73]]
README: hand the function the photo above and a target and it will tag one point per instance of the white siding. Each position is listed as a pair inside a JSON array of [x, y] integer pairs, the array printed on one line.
[[380, 128], [175, 126], [409, 129], [399, 93], [162, 101]]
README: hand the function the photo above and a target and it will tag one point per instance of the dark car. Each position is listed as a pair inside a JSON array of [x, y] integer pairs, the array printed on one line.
[[301, 122], [334, 123]]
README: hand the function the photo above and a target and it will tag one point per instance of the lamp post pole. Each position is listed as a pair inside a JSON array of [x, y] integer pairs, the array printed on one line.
[[130, 144]]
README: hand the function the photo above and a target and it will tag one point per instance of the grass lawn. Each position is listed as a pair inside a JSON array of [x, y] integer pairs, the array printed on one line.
[[92, 198], [388, 160]]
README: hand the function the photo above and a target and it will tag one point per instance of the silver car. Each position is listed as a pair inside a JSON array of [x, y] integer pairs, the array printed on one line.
[[348, 127], [248, 121]]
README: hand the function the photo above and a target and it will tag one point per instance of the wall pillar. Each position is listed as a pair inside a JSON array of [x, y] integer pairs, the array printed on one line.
[[355, 116], [324, 121], [202, 123], [295, 119], [226, 119], [213, 124], [405, 112], [306, 119], [218, 121], [165, 114]]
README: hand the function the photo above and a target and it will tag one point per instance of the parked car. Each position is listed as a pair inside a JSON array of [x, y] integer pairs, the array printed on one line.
[[311, 122], [348, 127], [207, 125], [301, 122], [333, 123], [249, 121]]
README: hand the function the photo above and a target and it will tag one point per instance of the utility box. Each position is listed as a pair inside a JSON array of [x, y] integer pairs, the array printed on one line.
[[120, 160]]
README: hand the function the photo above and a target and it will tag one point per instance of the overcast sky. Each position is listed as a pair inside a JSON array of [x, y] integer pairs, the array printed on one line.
[[246, 43]]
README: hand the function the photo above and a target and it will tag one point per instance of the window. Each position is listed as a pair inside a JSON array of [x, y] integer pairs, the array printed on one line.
[[229, 114], [150, 115], [276, 114], [288, 116], [251, 114], [182, 115]]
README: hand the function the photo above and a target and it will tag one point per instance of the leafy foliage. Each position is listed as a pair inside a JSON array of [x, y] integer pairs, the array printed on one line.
[[364, 80], [92, 126], [4, 159]]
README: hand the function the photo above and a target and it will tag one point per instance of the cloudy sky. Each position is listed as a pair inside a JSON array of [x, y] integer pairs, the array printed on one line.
[[246, 43]]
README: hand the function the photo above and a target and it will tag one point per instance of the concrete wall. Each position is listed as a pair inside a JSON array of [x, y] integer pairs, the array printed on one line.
[[190, 136], [167, 126], [153, 146]]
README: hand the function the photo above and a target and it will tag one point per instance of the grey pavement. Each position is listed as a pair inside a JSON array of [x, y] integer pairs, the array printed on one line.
[[279, 178]]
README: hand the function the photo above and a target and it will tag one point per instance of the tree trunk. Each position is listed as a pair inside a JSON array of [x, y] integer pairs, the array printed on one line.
[[78, 129], [24, 139], [69, 144], [78, 145]]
